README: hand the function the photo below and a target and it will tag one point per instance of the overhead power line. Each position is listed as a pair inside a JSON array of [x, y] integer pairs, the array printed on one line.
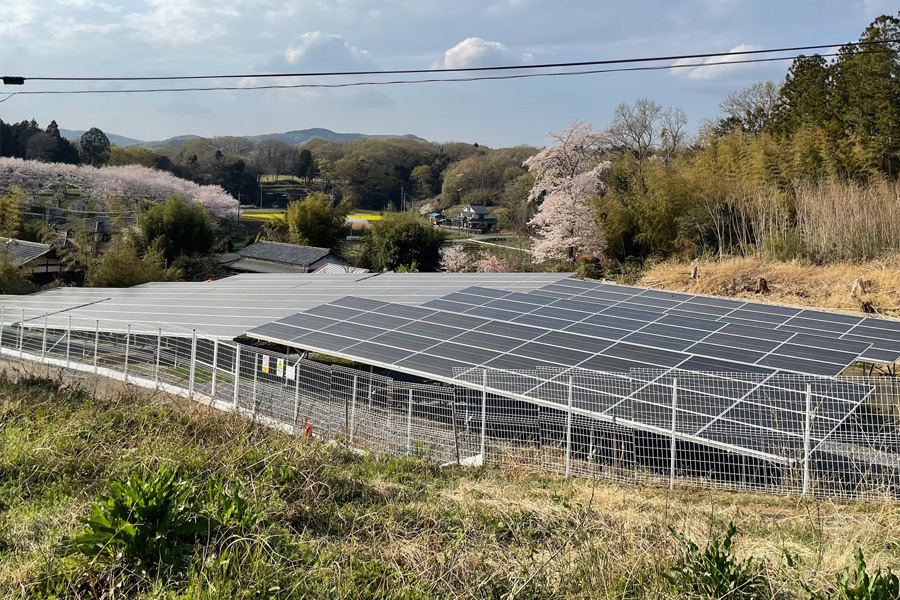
[[419, 81], [589, 63]]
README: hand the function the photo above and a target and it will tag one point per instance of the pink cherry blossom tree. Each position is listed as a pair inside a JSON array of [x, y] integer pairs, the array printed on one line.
[[455, 260], [490, 263], [567, 175], [131, 184]]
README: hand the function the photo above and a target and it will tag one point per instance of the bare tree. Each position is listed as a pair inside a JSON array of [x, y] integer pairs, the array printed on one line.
[[750, 109], [275, 156], [635, 127], [673, 133], [230, 144]]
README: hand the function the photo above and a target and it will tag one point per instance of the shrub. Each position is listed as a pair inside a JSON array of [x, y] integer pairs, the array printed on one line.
[[151, 523], [715, 572], [859, 585]]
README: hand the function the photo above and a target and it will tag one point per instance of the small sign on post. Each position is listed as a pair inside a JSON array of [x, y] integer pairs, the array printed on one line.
[[279, 367], [265, 364]]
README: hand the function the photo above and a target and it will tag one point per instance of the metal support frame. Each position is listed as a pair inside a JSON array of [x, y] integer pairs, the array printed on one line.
[[257, 359], [215, 361], [569, 429], [44, 340], [96, 346], [158, 355], [1, 327], [455, 429], [237, 374], [22, 336], [807, 433], [296, 393], [68, 341], [674, 432], [127, 348], [484, 416], [409, 424], [350, 416], [193, 366]]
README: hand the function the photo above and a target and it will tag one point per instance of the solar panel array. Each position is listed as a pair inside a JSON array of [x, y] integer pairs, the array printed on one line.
[[538, 355], [882, 334], [662, 326], [228, 307]]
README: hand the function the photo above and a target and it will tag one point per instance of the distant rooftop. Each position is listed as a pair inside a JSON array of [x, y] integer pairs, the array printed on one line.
[[286, 254], [20, 252]]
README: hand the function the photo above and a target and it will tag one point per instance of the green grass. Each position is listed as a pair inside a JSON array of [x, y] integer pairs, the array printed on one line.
[[336, 523]]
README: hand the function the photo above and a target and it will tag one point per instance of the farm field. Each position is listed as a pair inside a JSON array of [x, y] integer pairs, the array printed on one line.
[[323, 521]]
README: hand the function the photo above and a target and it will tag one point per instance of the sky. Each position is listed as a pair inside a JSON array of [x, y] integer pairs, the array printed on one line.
[[96, 38]]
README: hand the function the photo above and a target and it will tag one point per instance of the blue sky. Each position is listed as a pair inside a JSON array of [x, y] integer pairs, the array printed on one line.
[[181, 37]]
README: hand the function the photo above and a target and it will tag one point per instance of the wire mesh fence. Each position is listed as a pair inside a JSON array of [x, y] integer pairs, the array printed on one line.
[[782, 434]]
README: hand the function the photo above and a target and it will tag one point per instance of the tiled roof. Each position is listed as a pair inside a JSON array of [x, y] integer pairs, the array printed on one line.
[[478, 209], [253, 265], [20, 252], [288, 254]]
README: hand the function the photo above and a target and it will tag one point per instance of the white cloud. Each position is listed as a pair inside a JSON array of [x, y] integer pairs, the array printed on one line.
[[711, 68], [181, 22], [15, 15], [319, 51], [476, 52]]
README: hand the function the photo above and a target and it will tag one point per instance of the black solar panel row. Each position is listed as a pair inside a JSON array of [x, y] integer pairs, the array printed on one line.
[[884, 335], [749, 344]]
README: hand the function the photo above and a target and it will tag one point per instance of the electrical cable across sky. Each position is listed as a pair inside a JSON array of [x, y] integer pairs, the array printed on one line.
[[541, 68]]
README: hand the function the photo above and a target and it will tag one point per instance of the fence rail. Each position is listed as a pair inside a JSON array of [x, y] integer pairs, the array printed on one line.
[[642, 427]]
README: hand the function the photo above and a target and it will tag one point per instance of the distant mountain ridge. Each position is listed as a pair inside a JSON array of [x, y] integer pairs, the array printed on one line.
[[118, 140], [294, 138]]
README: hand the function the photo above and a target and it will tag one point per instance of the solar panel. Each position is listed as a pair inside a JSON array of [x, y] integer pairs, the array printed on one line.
[[756, 343], [228, 307], [883, 335]]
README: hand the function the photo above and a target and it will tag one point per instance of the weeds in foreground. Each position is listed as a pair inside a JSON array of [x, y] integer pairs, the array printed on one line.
[[715, 572]]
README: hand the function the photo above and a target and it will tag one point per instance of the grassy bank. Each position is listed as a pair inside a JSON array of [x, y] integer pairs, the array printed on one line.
[[796, 283], [322, 521]]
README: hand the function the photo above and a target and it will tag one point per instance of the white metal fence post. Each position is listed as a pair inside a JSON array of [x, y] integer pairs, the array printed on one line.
[[68, 341], [807, 439], [44, 340], [96, 345], [215, 361], [22, 336], [674, 423], [409, 419], [257, 357], [237, 373], [351, 425], [296, 393], [158, 354], [484, 378], [127, 348], [193, 368], [569, 429]]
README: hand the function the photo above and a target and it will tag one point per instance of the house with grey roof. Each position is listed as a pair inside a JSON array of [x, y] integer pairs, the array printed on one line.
[[474, 216], [278, 257], [39, 262]]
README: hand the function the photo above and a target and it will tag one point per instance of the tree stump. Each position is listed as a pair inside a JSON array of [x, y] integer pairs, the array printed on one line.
[[695, 270], [762, 286], [867, 307]]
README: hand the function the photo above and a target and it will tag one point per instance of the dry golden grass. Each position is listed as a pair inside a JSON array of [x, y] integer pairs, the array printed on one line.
[[794, 283]]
